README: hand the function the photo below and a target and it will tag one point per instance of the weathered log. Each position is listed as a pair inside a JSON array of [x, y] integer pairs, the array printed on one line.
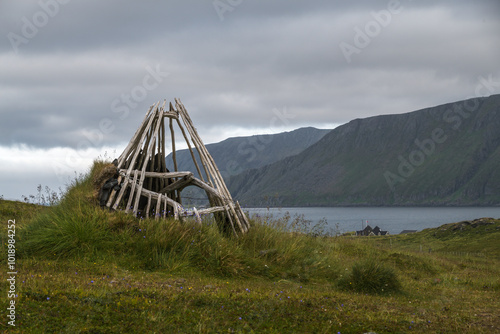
[[148, 206], [194, 139], [133, 141], [158, 207], [206, 187], [123, 157], [141, 140], [167, 175], [148, 153], [133, 186], [212, 210], [197, 216], [163, 167], [155, 195], [174, 158], [190, 149], [177, 185]]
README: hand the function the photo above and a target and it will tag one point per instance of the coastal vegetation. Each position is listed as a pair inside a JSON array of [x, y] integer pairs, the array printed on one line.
[[82, 269]]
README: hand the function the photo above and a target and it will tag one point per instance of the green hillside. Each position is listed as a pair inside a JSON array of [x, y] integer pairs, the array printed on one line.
[[81, 269], [445, 155]]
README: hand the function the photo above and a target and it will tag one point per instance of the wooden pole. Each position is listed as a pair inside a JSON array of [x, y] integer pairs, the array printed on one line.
[[164, 175], [190, 150], [122, 159], [193, 134], [173, 145], [155, 195], [197, 216], [163, 167], [132, 190], [136, 154], [165, 213], [148, 206], [209, 164], [151, 160], [176, 193], [158, 207], [125, 153], [148, 153]]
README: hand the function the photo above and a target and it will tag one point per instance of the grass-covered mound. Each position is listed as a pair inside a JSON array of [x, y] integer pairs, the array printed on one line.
[[82, 269], [79, 228]]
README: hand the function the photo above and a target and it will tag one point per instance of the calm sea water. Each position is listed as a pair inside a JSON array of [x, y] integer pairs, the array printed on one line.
[[393, 220]]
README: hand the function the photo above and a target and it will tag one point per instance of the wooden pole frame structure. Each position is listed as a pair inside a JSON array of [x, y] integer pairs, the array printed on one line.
[[147, 187]]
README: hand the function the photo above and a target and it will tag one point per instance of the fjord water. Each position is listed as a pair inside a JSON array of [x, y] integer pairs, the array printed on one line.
[[392, 219]]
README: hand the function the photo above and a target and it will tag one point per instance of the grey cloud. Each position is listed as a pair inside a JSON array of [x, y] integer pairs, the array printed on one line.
[[263, 55]]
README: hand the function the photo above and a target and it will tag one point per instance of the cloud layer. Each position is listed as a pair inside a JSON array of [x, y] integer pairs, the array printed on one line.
[[74, 73]]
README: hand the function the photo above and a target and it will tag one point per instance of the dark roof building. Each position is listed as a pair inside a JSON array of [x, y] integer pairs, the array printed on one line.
[[368, 230]]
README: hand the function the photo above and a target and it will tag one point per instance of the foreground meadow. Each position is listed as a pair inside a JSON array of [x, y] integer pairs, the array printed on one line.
[[85, 270]]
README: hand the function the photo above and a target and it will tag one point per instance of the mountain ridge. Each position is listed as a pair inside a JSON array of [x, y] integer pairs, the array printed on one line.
[[443, 155], [237, 154]]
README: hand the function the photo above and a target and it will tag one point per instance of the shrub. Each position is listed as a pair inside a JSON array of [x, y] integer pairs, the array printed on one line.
[[67, 231], [370, 276]]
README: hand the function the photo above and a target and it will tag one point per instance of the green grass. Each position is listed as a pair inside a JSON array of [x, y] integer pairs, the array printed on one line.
[[85, 270], [371, 276]]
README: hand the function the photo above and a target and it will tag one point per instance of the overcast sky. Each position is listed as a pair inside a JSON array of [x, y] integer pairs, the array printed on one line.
[[77, 77]]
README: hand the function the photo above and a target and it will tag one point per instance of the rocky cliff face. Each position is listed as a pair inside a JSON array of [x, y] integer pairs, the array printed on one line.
[[445, 155]]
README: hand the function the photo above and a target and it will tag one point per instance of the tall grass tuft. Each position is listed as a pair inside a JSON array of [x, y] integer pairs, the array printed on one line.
[[371, 276], [273, 250], [74, 227]]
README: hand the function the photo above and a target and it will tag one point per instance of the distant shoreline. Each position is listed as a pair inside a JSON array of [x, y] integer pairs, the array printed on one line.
[[373, 206]]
